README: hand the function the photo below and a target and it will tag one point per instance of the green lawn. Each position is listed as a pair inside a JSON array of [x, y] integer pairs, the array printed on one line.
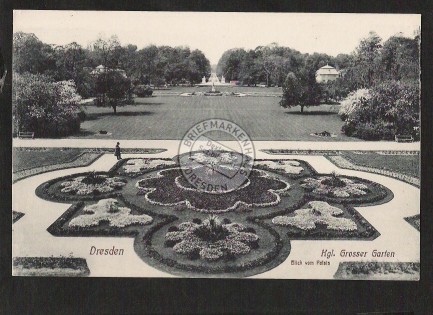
[[23, 159], [406, 164], [170, 117], [237, 89]]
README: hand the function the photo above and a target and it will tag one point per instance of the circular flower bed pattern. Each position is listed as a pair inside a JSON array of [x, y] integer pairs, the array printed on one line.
[[279, 201], [91, 184], [211, 239], [169, 188], [223, 158], [216, 160]]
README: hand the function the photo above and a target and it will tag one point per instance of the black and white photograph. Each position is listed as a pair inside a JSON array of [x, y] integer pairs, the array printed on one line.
[[216, 145]]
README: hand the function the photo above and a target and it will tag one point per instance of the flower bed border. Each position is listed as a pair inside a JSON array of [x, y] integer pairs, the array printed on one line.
[[98, 150], [269, 260], [412, 219], [281, 172], [16, 216], [42, 191], [26, 266], [57, 228], [115, 169], [343, 266], [315, 235], [299, 152], [383, 193]]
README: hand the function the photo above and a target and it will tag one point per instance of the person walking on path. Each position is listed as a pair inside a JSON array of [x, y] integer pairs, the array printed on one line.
[[117, 151]]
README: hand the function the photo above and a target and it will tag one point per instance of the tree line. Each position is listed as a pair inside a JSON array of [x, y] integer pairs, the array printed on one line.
[[50, 80], [151, 65], [378, 83], [371, 62]]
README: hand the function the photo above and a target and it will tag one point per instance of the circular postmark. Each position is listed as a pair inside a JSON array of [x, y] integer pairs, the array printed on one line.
[[212, 166]]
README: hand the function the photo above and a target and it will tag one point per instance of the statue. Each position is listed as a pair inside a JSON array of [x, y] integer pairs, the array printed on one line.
[[203, 80]]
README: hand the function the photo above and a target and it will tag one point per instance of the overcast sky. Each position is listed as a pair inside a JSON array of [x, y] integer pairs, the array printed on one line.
[[214, 33]]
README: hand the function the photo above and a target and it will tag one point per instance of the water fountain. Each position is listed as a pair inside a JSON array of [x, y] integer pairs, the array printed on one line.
[[213, 80], [213, 92]]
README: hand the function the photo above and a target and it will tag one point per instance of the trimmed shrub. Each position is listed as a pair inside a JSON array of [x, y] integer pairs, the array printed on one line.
[[47, 108], [392, 108], [350, 104], [143, 91]]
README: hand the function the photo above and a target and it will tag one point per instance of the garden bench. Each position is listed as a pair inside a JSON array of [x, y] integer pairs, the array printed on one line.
[[26, 135], [403, 138]]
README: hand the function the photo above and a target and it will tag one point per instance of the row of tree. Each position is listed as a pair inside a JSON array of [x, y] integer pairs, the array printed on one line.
[[42, 73], [270, 64], [371, 62], [379, 84], [150, 65]]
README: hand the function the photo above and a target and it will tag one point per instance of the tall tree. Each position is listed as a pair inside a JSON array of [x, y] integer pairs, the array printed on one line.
[[198, 66], [148, 64], [32, 55], [399, 59], [107, 51], [112, 89], [128, 60], [230, 63], [249, 71], [70, 60], [366, 59]]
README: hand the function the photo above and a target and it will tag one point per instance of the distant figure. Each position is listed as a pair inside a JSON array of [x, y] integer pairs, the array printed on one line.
[[117, 151]]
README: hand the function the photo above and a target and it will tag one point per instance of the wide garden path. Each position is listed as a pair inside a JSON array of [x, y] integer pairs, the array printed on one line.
[[30, 237], [173, 145]]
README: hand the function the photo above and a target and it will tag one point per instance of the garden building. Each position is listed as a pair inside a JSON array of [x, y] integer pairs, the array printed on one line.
[[101, 69], [326, 73]]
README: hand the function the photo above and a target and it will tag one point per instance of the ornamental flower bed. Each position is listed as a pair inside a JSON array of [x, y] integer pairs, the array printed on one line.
[[277, 202], [92, 184], [334, 186], [217, 158], [318, 212], [134, 166], [288, 166], [262, 191], [108, 210], [211, 239]]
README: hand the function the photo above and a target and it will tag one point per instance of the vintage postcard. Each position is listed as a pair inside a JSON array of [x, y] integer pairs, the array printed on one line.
[[216, 145]]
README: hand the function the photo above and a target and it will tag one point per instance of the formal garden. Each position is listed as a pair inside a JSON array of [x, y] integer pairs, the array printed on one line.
[[292, 202], [184, 231]]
